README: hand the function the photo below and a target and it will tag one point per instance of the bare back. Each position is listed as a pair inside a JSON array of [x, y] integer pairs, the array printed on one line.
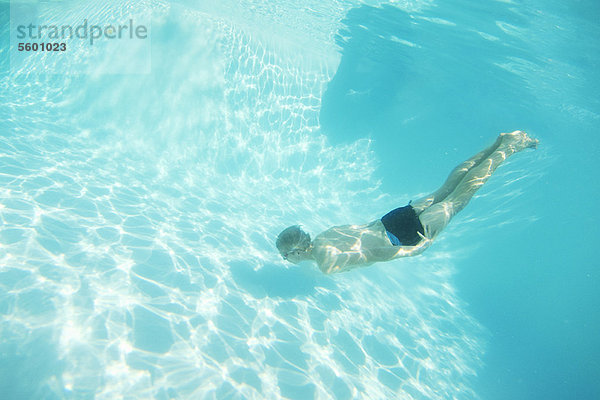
[[345, 247]]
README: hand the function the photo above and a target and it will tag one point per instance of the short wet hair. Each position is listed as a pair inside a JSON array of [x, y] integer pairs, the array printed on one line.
[[292, 237]]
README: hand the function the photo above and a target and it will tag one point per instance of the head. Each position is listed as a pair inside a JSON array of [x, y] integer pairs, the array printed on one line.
[[294, 244]]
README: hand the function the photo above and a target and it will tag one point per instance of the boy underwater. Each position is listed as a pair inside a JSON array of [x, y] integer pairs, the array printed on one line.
[[406, 231]]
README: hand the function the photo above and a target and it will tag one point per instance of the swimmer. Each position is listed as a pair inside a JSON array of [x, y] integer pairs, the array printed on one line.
[[405, 231]]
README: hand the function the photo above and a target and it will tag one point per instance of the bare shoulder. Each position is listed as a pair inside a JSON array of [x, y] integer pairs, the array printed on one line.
[[345, 247]]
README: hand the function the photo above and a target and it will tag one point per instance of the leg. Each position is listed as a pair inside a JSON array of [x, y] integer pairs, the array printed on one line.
[[437, 216], [477, 176], [455, 177]]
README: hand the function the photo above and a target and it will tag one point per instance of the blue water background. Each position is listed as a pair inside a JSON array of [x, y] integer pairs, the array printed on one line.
[[428, 88], [529, 271]]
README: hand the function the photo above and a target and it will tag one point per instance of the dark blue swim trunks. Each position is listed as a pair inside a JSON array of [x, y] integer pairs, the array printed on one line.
[[402, 225]]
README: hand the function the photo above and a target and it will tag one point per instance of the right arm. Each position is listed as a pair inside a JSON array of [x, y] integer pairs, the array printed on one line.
[[393, 252]]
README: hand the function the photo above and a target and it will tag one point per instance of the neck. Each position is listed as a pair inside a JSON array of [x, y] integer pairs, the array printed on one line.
[[307, 254]]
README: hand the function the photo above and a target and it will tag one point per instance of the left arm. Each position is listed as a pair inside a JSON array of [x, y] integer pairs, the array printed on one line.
[[391, 253]]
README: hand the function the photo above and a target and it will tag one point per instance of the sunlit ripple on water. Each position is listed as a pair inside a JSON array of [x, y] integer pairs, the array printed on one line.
[[137, 260]]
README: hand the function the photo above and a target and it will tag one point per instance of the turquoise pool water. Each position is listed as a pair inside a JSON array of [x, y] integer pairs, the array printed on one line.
[[141, 193]]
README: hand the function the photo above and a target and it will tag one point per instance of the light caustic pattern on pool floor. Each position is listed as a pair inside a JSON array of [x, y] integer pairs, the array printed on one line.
[[137, 256]]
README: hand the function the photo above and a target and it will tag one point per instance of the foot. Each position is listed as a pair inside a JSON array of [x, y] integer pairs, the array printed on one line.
[[520, 140]]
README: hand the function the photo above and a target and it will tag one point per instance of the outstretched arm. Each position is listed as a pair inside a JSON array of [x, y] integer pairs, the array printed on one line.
[[392, 252]]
